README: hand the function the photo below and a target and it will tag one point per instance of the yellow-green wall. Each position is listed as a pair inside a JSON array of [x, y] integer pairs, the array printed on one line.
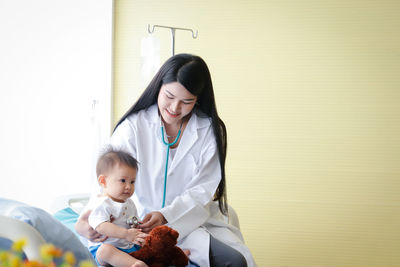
[[309, 91]]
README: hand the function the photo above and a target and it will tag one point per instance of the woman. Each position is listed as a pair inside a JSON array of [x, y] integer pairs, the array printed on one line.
[[175, 133]]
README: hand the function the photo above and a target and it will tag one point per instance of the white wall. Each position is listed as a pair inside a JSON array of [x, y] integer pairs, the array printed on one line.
[[55, 62]]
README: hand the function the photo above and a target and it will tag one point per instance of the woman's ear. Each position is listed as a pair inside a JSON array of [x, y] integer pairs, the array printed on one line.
[[102, 180]]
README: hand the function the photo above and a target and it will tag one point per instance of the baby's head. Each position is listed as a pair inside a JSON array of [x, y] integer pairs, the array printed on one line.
[[116, 173]]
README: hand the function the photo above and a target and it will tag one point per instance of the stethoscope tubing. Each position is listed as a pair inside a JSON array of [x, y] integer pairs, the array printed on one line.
[[166, 161]]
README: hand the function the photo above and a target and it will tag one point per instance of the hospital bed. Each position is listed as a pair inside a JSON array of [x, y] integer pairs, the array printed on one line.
[[18, 220]]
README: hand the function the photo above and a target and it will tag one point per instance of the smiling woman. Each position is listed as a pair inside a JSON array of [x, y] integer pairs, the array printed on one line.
[[55, 95]]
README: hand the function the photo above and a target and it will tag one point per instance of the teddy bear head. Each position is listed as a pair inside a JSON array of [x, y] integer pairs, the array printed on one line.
[[161, 238]]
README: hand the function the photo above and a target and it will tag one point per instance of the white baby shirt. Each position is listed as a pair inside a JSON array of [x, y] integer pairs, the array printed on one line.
[[105, 209]]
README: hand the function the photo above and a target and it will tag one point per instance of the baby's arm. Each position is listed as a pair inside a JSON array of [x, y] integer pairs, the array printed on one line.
[[133, 235]]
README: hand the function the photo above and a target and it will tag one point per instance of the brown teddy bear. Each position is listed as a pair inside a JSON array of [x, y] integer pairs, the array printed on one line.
[[160, 249]]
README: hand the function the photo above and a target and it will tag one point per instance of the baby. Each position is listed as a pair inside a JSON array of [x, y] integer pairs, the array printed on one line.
[[111, 211]]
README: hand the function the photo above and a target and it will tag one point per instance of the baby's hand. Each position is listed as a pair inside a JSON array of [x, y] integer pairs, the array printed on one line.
[[136, 236]]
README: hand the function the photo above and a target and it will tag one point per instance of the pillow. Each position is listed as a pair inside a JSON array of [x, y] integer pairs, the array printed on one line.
[[51, 229]]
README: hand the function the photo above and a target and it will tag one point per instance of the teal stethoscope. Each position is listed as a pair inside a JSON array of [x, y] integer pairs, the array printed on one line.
[[166, 161]]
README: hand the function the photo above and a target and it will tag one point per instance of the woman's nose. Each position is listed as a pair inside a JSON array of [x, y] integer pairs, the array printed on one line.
[[175, 106]]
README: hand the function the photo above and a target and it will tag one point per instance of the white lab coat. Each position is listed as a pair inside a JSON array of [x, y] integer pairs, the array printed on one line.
[[193, 176]]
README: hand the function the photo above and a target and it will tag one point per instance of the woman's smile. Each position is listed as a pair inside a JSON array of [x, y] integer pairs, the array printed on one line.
[[172, 114]]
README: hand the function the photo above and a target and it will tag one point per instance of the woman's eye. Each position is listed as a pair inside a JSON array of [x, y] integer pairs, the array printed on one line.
[[169, 97]]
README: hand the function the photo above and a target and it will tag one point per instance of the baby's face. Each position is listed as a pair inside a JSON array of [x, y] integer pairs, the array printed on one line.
[[120, 183]]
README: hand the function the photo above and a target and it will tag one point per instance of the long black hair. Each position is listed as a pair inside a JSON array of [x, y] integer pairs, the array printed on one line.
[[192, 72]]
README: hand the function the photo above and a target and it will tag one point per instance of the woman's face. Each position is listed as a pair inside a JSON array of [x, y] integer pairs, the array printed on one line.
[[175, 102]]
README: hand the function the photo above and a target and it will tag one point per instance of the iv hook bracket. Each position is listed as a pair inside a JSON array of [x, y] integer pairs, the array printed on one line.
[[173, 29]]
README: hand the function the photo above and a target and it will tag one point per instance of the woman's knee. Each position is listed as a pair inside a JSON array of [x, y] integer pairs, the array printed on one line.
[[222, 255], [237, 260], [233, 259]]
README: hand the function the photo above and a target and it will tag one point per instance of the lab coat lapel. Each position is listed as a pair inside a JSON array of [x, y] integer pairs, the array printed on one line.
[[153, 117], [188, 139]]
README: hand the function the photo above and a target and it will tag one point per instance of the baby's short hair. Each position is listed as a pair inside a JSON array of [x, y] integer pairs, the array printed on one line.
[[110, 157]]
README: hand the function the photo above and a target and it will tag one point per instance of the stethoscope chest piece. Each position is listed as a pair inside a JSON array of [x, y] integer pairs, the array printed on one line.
[[132, 221]]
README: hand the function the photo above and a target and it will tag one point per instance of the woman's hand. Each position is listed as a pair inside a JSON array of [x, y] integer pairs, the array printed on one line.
[[83, 228], [136, 236], [152, 220]]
